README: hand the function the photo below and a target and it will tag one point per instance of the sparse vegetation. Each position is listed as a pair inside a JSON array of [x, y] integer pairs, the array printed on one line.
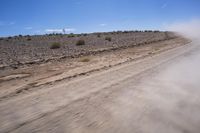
[[156, 49], [43, 45], [80, 42], [78, 35], [71, 35], [108, 39], [125, 31], [156, 31], [99, 35], [29, 39], [147, 31], [55, 45], [85, 59]]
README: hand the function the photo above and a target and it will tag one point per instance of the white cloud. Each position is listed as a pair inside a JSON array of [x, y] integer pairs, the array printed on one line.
[[164, 5], [103, 24], [28, 28], [60, 30]]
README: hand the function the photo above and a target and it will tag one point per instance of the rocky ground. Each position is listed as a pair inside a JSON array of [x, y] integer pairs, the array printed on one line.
[[114, 90], [32, 77], [20, 50]]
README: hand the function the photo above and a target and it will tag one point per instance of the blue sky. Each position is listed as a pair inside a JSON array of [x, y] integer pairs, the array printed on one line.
[[77, 16]]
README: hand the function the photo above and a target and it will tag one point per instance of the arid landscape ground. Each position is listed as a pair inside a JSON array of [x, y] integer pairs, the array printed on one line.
[[39, 83], [20, 50], [99, 66], [23, 70]]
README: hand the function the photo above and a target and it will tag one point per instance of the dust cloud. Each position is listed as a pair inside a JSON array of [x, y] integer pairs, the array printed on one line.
[[190, 29], [185, 72], [173, 93], [189, 67]]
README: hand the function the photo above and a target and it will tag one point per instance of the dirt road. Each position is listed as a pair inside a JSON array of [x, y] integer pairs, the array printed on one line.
[[145, 96]]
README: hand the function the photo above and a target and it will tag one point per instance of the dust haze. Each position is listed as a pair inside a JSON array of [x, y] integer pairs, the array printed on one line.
[[173, 92], [186, 72], [188, 29]]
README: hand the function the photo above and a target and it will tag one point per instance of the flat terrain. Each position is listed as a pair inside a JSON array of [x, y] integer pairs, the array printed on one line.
[[127, 89], [19, 50]]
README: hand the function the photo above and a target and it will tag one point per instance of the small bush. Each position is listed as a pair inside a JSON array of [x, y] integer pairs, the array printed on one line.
[[108, 39], [156, 31], [78, 35], [148, 31], [55, 45], [80, 42], [9, 37], [85, 59], [125, 31], [71, 35], [28, 39], [99, 35]]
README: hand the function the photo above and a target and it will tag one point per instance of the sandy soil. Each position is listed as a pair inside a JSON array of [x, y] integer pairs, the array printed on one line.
[[82, 94], [29, 78]]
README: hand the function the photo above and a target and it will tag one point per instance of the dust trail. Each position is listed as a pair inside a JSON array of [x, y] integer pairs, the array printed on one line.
[[190, 29], [169, 99], [186, 71], [188, 68]]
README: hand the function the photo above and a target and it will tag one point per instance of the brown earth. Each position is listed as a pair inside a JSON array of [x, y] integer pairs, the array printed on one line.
[[25, 50], [33, 94], [28, 78]]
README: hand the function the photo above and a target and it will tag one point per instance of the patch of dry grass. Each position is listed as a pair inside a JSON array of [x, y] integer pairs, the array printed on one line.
[[80, 42], [84, 59], [55, 45]]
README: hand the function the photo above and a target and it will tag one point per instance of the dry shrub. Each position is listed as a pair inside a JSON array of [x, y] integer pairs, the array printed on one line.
[[108, 39], [55, 45], [85, 59], [80, 42]]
